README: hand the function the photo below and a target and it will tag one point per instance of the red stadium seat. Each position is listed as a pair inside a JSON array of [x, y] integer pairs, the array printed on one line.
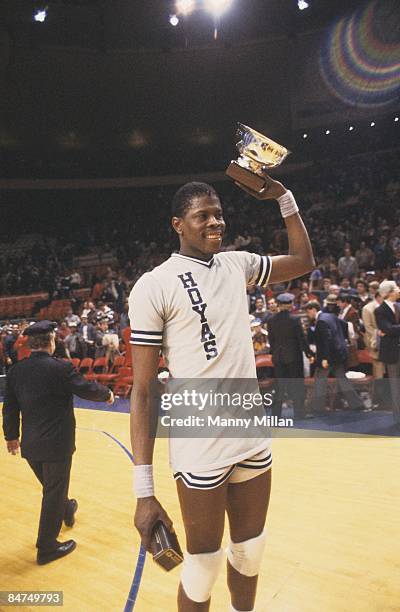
[[100, 366], [86, 365], [75, 362], [110, 377]]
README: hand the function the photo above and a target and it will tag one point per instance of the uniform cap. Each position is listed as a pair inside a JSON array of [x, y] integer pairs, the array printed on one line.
[[285, 298], [41, 327]]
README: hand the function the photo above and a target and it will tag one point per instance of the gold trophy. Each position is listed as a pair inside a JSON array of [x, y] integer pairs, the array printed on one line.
[[257, 152]]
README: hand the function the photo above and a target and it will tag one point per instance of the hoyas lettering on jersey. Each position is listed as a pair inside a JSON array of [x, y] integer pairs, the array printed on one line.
[[199, 306]]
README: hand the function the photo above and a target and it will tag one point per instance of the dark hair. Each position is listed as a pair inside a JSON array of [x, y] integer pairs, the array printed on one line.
[[313, 304], [40, 341], [182, 200], [362, 282], [345, 297]]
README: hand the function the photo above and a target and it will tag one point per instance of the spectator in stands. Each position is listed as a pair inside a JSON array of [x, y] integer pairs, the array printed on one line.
[[260, 310], [10, 354], [100, 332], [253, 292], [371, 341], [373, 289], [75, 279], [349, 314], [104, 312], [382, 252], [124, 318], [347, 265], [365, 257], [260, 337], [75, 346], [362, 292], [272, 308], [63, 331], [21, 343], [345, 286], [88, 332], [70, 317]]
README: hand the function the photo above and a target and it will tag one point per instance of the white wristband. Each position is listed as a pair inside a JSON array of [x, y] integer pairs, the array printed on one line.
[[144, 483], [288, 204]]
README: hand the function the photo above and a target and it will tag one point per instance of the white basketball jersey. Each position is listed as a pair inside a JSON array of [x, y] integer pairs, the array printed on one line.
[[197, 312]]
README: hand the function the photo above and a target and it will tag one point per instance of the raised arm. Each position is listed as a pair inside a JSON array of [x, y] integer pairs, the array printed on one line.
[[300, 259], [144, 415]]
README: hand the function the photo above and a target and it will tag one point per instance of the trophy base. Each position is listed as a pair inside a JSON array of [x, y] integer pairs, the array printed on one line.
[[165, 547], [245, 177]]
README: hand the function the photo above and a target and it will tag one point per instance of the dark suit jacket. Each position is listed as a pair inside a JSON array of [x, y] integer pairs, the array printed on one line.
[[41, 389], [389, 351], [286, 338], [329, 336]]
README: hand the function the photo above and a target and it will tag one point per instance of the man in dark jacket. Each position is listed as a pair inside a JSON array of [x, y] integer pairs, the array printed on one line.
[[328, 333], [40, 389], [387, 317], [287, 342]]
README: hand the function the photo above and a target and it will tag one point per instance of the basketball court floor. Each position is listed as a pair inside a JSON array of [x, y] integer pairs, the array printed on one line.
[[333, 526]]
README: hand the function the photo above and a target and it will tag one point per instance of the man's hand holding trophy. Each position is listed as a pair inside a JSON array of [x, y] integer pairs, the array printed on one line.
[[257, 154]]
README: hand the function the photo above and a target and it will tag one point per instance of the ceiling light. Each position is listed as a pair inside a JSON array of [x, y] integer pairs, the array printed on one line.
[[302, 4], [40, 15], [173, 19]]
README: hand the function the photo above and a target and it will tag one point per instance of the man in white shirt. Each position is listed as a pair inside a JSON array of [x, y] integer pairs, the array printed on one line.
[[180, 306]]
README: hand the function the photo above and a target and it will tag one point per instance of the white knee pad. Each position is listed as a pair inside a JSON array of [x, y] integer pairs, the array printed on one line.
[[199, 574], [246, 556]]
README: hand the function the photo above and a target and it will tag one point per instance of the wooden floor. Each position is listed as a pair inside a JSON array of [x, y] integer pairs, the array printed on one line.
[[334, 527]]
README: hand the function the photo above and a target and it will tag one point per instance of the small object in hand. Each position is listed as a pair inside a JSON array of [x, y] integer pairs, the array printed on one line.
[[165, 547]]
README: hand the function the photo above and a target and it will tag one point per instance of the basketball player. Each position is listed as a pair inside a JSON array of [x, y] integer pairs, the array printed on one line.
[[180, 307]]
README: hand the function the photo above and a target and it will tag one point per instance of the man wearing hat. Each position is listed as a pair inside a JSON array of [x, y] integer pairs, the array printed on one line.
[[387, 317], [288, 342], [41, 390]]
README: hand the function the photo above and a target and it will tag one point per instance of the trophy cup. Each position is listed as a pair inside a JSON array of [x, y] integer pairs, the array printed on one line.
[[257, 152]]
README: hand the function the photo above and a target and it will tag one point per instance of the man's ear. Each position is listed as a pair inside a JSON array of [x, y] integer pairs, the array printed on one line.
[[177, 225]]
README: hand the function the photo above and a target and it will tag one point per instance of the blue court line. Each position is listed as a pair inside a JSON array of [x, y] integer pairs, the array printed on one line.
[[137, 577]]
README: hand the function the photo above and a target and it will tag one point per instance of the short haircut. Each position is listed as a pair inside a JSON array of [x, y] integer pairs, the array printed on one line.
[[40, 341], [363, 282], [313, 304], [183, 198], [345, 297]]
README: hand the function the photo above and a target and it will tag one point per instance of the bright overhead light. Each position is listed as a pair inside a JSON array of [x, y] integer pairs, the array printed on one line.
[[305, 135], [396, 119], [302, 4], [184, 7], [173, 19], [327, 132], [351, 128], [372, 124], [217, 7], [40, 15]]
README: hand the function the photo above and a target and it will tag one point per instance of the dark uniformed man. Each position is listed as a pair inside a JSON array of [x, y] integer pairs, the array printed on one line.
[[41, 389], [288, 342]]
